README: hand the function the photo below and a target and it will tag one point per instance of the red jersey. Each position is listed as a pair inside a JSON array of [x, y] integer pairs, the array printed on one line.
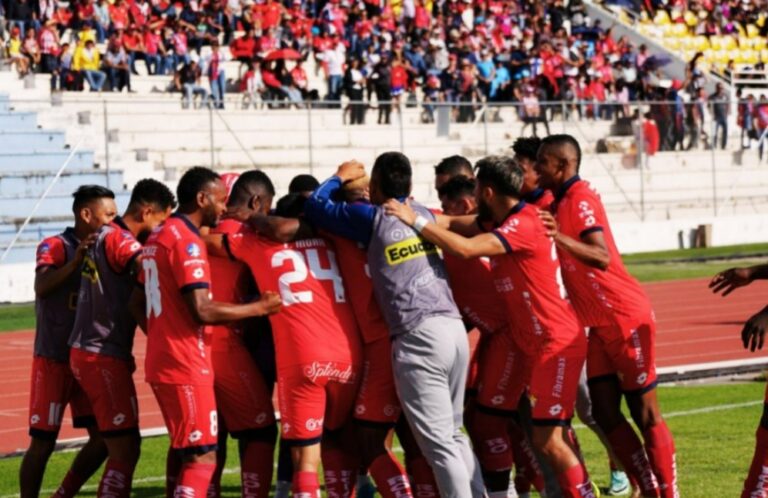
[[475, 293], [316, 322], [231, 282], [175, 261], [353, 262], [528, 278], [540, 198], [599, 297]]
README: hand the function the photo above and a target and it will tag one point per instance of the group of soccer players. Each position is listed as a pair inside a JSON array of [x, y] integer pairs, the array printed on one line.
[[369, 297]]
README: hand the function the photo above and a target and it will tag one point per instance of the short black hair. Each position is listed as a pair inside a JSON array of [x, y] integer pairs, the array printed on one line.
[[88, 193], [246, 182], [454, 165], [502, 173], [527, 147], [303, 183], [193, 181], [563, 139], [150, 191], [291, 205], [393, 172], [457, 188]]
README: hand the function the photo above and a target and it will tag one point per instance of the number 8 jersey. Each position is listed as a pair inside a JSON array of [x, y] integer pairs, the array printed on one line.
[[316, 322], [175, 261]]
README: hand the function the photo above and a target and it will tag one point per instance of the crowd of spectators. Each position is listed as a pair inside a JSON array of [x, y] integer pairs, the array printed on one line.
[[546, 56]]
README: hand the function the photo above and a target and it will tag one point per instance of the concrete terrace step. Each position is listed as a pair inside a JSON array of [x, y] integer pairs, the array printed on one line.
[[29, 184], [32, 141], [18, 121], [52, 206], [43, 161]]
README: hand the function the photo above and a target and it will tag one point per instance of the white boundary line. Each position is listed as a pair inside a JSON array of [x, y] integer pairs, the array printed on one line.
[[715, 365]]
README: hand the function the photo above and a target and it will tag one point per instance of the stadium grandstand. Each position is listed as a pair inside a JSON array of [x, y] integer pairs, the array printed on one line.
[[667, 99]]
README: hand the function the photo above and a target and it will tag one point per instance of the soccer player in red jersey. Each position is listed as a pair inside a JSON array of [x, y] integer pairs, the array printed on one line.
[[243, 398], [608, 300], [543, 324], [57, 283], [525, 149], [753, 338], [498, 441], [317, 347], [101, 357], [178, 310]]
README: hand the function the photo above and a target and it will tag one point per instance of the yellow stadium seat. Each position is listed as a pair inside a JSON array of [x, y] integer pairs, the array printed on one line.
[[702, 43], [736, 55], [671, 43], [722, 57], [759, 43], [750, 56], [764, 55], [740, 28], [661, 18], [729, 42], [709, 55], [715, 42], [680, 30], [690, 19], [745, 43], [752, 31]]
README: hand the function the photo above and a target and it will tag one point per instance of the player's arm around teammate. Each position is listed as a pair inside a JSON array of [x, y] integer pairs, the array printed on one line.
[[752, 337], [520, 246]]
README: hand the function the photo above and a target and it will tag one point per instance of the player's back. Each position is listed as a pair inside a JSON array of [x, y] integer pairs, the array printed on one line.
[[103, 323], [474, 291], [175, 261], [231, 282], [529, 278], [316, 322], [55, 313], [353, 263], [599, 296]]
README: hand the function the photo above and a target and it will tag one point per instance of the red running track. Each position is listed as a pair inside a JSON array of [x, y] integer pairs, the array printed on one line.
[[694, 326]]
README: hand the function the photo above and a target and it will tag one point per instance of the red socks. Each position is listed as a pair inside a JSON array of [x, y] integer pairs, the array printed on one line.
[[574, 483], [194, 479], [757, 479], [424, 484], [256, 462], [172, 469], [660, 448], [70, 486], [339, 471], [527, 469], [389, 476], [628, 449], [494, 449], [116, 480], [306, 485]]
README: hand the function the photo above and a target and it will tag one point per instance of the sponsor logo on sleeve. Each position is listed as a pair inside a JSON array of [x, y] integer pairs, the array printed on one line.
[[193, 250]]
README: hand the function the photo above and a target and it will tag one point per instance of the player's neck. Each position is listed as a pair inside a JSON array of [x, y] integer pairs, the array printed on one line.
[[82, 230], [195, 217], [503, 209], [134, 225]]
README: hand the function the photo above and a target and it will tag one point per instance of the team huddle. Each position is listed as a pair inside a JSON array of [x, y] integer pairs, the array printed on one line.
[[354, 300]]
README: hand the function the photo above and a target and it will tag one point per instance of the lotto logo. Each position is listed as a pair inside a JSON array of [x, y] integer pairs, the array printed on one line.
[[314, 424], [497, 400], [261, 417], [34, 419], [390, 410], [360, 409], [198, 273], [286, 427], [119, 419], [195, 436], [642, 378], [555, 410]]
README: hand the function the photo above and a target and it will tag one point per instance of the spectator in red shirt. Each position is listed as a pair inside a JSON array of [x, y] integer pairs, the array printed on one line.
[[244, 48], [118, 14], [154, 51], [133, 42]]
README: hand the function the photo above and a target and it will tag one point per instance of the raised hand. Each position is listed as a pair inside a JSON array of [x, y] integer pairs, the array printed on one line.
[[350, 171], [729, 280]]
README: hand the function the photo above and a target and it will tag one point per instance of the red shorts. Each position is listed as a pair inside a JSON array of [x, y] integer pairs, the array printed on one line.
[[314, 396], [190, 415], [553, 385], [476, 340], [108, 383], [242, 396], [501, 377], [53, 387], [627, 351], [377, 399]]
